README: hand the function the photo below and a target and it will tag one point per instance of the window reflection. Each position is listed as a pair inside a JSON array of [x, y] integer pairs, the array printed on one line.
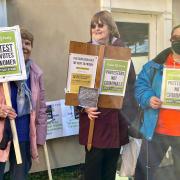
[[136, 37]]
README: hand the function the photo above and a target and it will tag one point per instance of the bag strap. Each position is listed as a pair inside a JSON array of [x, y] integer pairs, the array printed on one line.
[[147, 143]]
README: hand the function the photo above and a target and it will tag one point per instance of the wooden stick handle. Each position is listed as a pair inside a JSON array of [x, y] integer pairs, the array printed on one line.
[[47, 161], [90, 135], [13, 125]]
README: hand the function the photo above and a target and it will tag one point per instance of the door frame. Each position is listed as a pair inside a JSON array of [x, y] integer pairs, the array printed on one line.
[[141, 18]]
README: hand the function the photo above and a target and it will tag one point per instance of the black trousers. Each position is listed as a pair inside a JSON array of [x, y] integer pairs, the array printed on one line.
[[18, 171], [2, 167], [100, 164], [151, 155]]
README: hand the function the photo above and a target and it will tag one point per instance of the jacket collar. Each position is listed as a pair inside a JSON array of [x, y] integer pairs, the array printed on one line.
[[162, 56], [156, 65], [35, 69]]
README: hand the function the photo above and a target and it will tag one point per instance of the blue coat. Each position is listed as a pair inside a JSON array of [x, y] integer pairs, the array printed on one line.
[[148, 84]]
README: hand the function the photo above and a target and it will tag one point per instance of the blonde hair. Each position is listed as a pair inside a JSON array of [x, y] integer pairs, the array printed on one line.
[[106, 18]]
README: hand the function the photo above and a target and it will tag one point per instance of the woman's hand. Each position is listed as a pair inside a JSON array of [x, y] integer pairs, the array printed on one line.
[[92, 112], [155, 102], [7, 111]]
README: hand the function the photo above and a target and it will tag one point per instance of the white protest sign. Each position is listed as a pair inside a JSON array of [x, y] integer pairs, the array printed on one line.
[[81, 71], [12, 65], [114, 77], [170, 92], [12, 68], [62, 120]]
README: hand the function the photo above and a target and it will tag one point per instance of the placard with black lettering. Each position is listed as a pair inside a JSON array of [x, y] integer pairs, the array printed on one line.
[[12, 65], [170, 91], [114, 77]]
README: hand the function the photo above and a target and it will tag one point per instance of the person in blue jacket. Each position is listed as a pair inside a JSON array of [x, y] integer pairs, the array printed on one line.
[[161, 127]]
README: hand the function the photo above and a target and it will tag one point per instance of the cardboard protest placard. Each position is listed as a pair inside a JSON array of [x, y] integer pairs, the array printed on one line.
[[170, 91], [114, 54], [12, 68]]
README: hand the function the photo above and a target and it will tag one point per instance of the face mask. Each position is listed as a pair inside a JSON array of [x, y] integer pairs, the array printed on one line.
[[176, 47]]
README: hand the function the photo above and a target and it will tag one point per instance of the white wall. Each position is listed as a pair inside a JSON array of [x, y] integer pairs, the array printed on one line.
[[138, 5], [176, 12]]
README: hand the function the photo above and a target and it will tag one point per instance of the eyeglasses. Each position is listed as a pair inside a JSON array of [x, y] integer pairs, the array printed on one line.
[[100, 25]]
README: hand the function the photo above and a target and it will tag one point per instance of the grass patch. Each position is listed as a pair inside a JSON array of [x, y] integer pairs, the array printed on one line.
[[66, 173]]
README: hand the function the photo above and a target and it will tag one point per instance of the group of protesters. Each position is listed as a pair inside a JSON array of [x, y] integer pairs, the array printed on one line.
[[160, 127]]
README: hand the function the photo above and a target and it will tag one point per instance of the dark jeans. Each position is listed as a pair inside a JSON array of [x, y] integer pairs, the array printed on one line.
[[100, 164], [18, 171], [2, 167], [151, 155]]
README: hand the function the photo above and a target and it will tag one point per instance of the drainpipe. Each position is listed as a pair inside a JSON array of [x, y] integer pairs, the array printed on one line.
[[3, 13]]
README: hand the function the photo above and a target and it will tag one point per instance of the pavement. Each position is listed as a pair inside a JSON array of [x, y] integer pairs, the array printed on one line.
[[163, 173]]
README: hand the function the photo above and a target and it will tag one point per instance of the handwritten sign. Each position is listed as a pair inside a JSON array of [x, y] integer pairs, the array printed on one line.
[[88, 97]]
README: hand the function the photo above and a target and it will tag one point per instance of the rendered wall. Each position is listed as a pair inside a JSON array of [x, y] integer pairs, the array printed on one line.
[[176, 12], [54, 23]]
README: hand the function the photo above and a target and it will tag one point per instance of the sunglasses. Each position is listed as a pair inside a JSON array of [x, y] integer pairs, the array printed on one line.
[[100, 25]]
